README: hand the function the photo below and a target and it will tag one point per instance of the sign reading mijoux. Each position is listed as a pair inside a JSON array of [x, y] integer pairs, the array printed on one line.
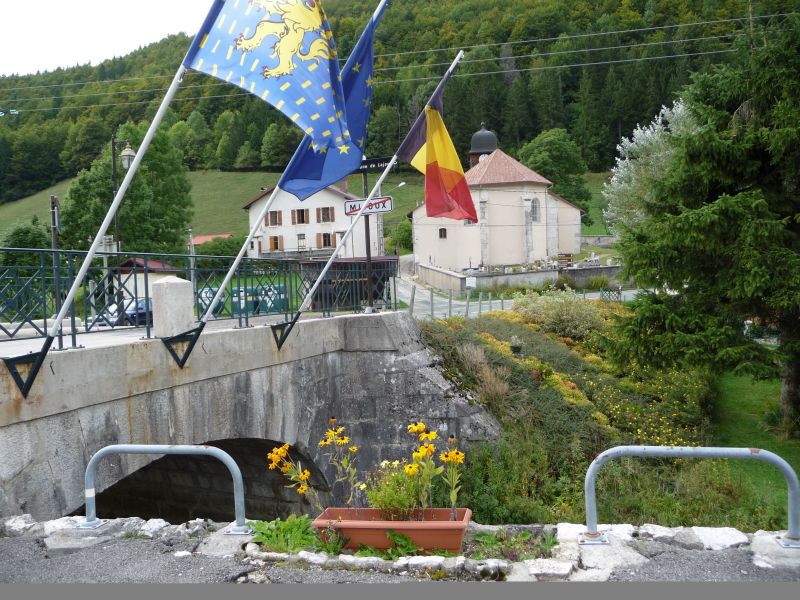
[[377, 205]]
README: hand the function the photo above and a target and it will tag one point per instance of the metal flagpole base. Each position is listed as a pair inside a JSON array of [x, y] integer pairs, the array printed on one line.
[[34, 359], [189, 337], [593, 539], [281, 331], [786, 542], [96, 524], [239, 530]]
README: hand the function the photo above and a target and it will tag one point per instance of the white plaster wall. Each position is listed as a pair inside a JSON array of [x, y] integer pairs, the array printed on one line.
[[569, 229], [355, 246]]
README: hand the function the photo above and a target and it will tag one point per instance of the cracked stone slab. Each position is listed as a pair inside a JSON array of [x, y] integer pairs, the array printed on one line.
[[61, 543], [719, 538], [590, 575], [222, 543], [152, 527], [17, 525], [658, 533], [767, 553], [544, 569], [686, 538], [617, 553], [252, 550], [422, 563], [519, 572], [365, 562], [313, 558]]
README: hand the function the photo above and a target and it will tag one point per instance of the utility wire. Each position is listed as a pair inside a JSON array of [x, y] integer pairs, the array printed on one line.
[[559, 52], [411, 52], [583, 35], [424, 66], [435, 77], [589, 64]]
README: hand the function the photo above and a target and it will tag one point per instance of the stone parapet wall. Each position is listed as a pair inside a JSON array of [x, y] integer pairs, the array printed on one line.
[[371, 371]]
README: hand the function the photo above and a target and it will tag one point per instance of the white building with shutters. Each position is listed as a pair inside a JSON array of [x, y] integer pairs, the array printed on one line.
[[310, 228]]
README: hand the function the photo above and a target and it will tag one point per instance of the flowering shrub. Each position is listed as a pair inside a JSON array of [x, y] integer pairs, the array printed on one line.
[[396, 488], [559, 311]]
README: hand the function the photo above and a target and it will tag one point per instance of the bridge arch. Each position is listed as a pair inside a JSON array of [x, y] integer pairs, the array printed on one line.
[[371, 371]]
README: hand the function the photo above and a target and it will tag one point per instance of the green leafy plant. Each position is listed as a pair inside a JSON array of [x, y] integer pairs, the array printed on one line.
[[392, 491], [402, 545], [290, 535], [330, 540], [521, 546]]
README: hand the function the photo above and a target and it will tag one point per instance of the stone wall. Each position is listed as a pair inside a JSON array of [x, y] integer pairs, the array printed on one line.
[[371, 371]]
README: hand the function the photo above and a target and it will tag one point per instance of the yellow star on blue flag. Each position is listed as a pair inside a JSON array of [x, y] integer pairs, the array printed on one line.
[[310, 171], [281, 51]]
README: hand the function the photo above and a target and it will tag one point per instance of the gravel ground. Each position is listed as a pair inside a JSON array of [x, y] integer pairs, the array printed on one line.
[[670, 563]]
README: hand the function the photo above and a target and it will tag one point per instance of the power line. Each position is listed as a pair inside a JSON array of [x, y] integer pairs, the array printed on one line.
[[583, 35], [493, 59], [559, 52], [27, 110], [589, 64], [411, 52], [432, 78]]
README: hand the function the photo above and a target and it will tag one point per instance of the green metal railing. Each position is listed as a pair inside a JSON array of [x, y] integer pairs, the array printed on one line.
[[115, 291]]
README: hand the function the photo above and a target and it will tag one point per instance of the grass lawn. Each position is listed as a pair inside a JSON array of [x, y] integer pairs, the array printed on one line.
[[21, 211], [595, 182], [739, 423]]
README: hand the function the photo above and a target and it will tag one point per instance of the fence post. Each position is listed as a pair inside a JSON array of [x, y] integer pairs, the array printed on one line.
[[490, 301], [480, 303], [450, 304], [502, 301], [432, 317], [466, 311], [411, 302]]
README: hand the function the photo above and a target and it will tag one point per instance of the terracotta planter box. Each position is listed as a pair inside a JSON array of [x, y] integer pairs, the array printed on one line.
[[433, 531]]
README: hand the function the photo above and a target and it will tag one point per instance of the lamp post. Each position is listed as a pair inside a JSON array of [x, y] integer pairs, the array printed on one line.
[[126, 158]]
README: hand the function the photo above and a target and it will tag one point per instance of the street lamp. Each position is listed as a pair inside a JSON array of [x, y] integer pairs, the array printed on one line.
[[126, 158]]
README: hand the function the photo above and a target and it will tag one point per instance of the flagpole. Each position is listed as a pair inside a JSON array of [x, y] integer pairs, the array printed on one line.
[[238, 259], [65, 306], [373, 193], [35, 360]]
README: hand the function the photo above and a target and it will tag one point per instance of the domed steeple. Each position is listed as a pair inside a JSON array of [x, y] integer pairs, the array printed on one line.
[[484, 142]]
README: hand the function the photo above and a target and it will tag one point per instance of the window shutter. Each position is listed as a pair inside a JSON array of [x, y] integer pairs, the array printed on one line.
[[307, 214], [266, 220], [332, 217], [280, 217], [259, 247], [319, 215], [319, 240], [280, 242], [294, 217]]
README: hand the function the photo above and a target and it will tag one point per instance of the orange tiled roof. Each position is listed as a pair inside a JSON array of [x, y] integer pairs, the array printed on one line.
[[498, 168]]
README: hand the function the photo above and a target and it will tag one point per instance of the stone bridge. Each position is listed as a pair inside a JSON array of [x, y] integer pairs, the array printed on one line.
[[237, 392]]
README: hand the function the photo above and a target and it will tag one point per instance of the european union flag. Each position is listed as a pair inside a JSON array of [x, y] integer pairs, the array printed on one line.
[[314, 167], [283, 52]]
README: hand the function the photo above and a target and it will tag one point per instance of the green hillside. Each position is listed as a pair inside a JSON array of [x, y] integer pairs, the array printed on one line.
[[218, 199], [219, 196], [21, 211]]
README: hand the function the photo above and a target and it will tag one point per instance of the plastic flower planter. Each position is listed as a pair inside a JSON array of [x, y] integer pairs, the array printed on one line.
[[431, 529]]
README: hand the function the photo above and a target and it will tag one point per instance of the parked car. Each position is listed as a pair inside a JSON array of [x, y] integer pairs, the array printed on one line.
[[137, 312]]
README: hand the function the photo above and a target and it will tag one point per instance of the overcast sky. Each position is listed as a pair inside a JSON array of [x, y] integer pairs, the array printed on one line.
[[42, 35]]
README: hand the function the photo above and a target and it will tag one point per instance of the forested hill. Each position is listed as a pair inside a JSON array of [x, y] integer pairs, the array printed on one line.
[[591, 67]]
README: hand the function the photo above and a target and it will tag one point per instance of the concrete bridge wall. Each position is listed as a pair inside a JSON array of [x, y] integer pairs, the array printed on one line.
[[371, 371]]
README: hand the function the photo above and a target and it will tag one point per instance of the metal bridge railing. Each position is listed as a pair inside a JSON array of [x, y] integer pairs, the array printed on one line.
[[116, 291], [592, 536], [92, 522]]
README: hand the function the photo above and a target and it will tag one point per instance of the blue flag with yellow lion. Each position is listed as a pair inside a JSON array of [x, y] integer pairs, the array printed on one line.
[[283, 52]]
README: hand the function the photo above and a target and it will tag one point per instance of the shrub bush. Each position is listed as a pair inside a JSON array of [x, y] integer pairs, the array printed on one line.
[[597, 283], [560, 312]]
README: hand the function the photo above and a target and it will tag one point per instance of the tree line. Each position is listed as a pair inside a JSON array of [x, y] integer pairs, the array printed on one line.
[[519, 76]]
